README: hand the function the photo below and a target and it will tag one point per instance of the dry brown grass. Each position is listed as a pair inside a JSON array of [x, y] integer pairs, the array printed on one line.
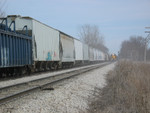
[[127, 90]]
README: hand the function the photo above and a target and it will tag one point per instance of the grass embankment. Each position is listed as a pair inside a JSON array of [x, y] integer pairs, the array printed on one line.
[[127, 90]]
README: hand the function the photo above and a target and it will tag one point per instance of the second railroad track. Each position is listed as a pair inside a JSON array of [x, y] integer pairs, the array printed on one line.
[[11, 92]]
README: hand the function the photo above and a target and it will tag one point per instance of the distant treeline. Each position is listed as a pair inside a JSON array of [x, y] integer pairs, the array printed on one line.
[[134, 49]]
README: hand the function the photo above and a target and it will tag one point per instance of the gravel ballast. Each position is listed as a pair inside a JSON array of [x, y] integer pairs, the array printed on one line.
[[39, 76], [71, 96]]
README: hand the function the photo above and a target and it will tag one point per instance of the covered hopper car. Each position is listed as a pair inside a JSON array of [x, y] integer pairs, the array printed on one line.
[[29, 45], [15, 49]]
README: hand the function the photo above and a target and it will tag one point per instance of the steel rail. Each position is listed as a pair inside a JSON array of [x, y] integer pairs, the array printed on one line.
[[51, 80]]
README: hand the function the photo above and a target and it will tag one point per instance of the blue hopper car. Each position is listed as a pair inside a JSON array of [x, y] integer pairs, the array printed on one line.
[[15, 49]]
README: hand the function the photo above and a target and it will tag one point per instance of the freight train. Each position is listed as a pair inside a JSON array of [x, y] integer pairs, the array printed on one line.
[[27, 45]]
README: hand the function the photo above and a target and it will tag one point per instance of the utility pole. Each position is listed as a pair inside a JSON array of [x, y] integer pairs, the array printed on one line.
[[147, 39]]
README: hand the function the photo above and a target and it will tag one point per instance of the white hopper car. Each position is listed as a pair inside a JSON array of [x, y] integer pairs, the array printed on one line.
[[54, 49]]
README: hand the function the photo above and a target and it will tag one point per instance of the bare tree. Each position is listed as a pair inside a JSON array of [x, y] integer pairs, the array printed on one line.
[[91, 36], [133, 49]]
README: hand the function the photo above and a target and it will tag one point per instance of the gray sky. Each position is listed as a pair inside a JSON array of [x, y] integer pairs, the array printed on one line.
[[117, 19]]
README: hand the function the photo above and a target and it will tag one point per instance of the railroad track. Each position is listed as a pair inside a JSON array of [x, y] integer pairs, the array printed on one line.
[[12, 92]]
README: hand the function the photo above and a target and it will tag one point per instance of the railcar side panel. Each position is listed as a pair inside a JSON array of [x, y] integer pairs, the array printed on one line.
[[85, 52], [95, 54], [91, 54], [103, 56], [78, 50], [46, 42], [99, 55], [15, 49], [67, 48], [45, 39]]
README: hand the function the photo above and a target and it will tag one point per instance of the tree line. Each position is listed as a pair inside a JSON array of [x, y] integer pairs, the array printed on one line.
[[134, 49], [90, 35]]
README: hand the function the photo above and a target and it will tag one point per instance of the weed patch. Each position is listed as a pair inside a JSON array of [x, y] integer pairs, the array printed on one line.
[[127, 90]]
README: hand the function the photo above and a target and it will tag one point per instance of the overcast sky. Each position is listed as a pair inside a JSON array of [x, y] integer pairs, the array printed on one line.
[[116, 19]]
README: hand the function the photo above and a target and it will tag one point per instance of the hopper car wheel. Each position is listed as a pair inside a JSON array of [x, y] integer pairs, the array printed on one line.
[[37, 67], [11, 72], [42, 66], [54, 66], [47, 66], [28, 70], [18, 71], [4, 73], [7, 72], [1, 73], [63, 65], [71, 65]]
